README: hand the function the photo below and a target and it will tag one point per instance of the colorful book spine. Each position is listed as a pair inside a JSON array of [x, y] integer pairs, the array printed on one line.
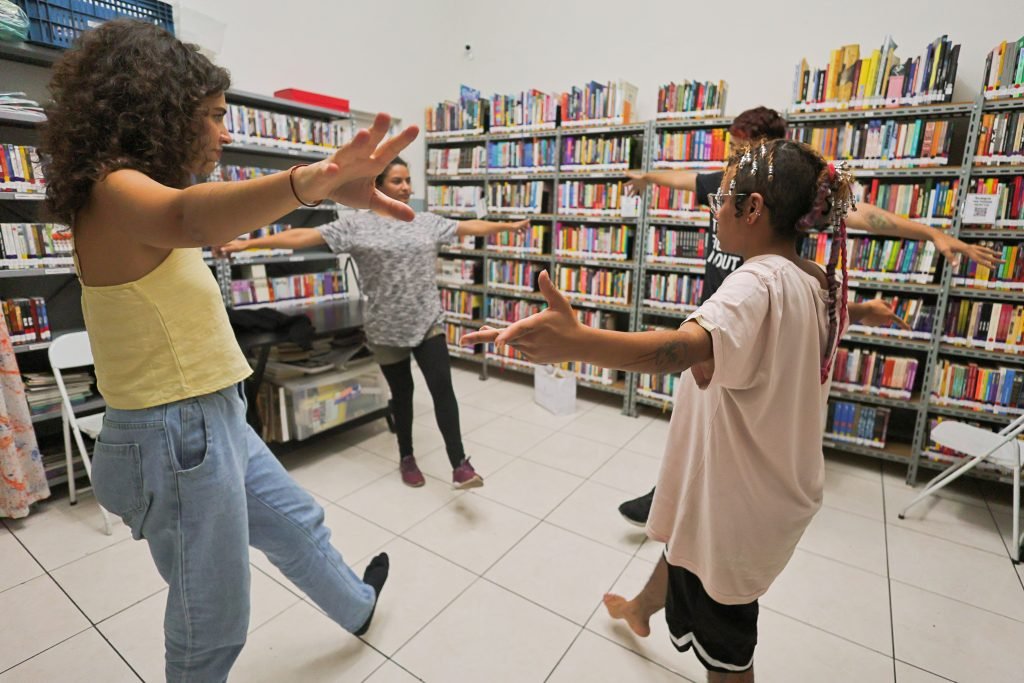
[[990, 325], [857, 423], [604, 242], [929, 201], [1003, 76], [21, 170], [259, 290], [583, 153], [32, 245], [533, 155], [875, 373], [1008, 275], [456, 160], [599, 103], [455, 198], [454, 333], [691, 99], [672, 245], [880, 143], [667, 202], [916, 312], [674, 291], [873, 258], [979, 387], [506, 197], [1001, 138], [468, 115], [229, 172], [501, 311], [27, 319], [701, 148], [249, 125], [594, 284], [526, 110], [460, 304], [512, 274], [530, 241], [454, 271], [590, 197]]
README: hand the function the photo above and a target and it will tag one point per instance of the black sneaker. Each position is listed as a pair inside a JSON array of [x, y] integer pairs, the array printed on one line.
[[637, 511]]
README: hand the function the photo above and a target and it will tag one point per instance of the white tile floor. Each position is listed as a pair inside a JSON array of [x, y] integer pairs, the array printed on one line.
[[504, 583]]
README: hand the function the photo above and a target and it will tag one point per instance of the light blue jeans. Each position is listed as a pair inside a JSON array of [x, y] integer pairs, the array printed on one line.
[[195, 481]]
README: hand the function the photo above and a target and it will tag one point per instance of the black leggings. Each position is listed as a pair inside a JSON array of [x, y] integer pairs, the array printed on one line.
[[432, 357]]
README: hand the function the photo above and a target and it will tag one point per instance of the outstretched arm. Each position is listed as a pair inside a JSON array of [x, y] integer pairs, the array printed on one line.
[[478, 227], [296, 238], [881, 222], [679, 180], [555, 336]]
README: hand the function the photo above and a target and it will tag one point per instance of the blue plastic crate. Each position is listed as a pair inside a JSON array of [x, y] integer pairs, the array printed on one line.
[[56, 23]]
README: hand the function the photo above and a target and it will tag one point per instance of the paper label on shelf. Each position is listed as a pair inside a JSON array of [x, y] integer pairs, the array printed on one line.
[[631, 206], [980, 209]]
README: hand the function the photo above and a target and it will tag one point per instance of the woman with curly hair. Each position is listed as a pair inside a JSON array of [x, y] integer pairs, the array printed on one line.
[[136, 117]]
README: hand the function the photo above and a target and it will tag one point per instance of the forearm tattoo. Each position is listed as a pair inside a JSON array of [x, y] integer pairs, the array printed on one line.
[[669, 357], [880, 222]]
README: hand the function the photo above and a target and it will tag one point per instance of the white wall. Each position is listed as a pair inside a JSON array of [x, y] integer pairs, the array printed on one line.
[[403, 55]]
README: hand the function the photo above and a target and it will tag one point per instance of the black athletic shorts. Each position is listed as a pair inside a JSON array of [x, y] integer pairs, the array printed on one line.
[[722, 636]]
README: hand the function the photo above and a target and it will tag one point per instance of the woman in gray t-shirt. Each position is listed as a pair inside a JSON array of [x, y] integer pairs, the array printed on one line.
[[397, 266]]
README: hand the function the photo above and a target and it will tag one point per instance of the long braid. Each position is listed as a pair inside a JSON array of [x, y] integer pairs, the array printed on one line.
[[835, 189]]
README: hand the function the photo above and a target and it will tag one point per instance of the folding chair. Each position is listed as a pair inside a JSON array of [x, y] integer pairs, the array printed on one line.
[[980, 445], [66, 352]]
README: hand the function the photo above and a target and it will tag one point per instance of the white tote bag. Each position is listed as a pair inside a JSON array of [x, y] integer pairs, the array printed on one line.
[[554, 389]]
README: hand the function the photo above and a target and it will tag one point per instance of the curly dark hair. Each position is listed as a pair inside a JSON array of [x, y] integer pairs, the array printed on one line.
[[127, 95], [759, 122]]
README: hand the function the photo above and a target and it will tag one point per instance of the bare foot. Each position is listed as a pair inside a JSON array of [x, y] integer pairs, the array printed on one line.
[[620, 608]]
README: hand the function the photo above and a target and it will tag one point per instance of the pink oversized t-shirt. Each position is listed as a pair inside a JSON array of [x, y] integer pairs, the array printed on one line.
[[743, 469]]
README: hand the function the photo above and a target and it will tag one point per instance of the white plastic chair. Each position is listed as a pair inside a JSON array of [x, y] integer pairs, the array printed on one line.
[[66, 352], [980, 445]]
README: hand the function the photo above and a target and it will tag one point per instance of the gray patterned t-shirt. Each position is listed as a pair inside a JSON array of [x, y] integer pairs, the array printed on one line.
[[397, 264]]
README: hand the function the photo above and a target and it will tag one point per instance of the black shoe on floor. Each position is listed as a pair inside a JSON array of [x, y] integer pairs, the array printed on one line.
[[637, 511]]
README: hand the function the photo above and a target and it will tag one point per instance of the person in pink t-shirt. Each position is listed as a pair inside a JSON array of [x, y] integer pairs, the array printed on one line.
[[743, 470]]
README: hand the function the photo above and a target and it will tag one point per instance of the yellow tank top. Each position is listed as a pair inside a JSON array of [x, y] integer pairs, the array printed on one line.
[[164, 337]]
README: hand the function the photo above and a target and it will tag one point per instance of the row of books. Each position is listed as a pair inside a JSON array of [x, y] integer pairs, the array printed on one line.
[[918, 200], [468, 114], [604, 153], [671, 245], [880, 142], [606, 242], [230, 172], [874, 372], [27, 320], [880, 79], [460, 304], [21, 170], [673, 290], [969, 385], [259, 126], [607, 103], [915, 311], [1004, 69], [1010, 205], [509, 274], [581, 196], [260, 289], [454, 332], [598, 284], [43, 396], [456, 271], [529, 241], [534, 155], [504, 197], [985, 324], [454, 160], [705, 98], [33, 244], [504, 311], [1007, 275], [658, 387], [602, 320], [878, 258], [528, 109], [667, 201], [857, 423], [693, 148], [464, 198], [1001, 138]]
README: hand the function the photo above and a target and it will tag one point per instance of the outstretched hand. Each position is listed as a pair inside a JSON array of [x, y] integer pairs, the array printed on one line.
[[953, 249], [230, 248], [877, 313], [552, 336], [637, 182], [347, 176]]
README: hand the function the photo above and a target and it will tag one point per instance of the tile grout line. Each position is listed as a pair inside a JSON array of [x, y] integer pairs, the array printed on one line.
[[92, 624], [888, 576]]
